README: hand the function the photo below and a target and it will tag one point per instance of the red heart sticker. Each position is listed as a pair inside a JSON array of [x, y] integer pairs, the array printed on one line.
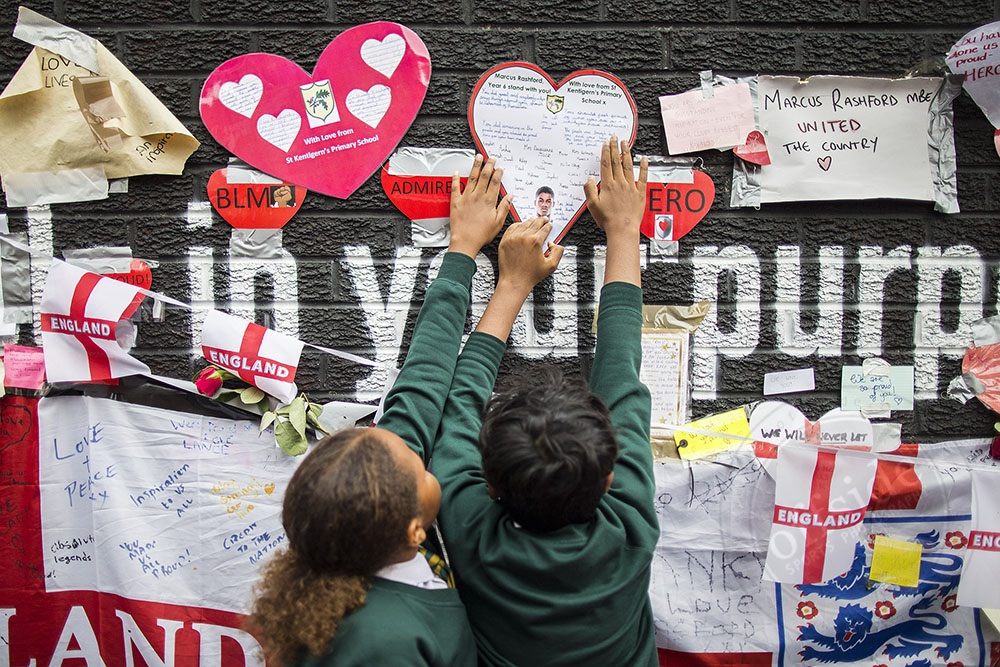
[[754, 150], [254, 205], [328, 131], [139, 274], [548, 137], [673, 209]]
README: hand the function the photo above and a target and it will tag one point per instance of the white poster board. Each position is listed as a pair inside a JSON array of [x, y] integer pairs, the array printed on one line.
[[837, 137]]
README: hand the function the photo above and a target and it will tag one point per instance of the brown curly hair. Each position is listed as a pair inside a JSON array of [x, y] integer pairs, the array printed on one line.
[[345, 512]]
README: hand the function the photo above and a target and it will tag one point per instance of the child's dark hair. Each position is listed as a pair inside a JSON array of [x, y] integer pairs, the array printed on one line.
[[345, 513], [547, 450]]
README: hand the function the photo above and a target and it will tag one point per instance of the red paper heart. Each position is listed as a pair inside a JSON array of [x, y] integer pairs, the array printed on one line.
[[754, 150], [254, 205], [548, 135], [331, 136], [15, 423], [419, 197], [686, 202], [139, 274]]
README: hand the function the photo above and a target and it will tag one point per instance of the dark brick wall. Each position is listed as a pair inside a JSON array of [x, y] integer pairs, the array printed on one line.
[[656, 47]]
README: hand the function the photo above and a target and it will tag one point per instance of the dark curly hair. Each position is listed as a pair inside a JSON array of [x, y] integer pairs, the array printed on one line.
[[547, 450], [345, 513]]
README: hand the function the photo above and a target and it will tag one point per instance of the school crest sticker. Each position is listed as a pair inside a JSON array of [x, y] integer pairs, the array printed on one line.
[[321, 109], [554, 103]]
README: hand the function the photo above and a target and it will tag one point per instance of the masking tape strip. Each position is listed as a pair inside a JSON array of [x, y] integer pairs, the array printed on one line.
[[43, 32]]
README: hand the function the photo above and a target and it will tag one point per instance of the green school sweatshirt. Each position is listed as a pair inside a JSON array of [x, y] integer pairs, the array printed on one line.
[[578, 595], [402, 626]]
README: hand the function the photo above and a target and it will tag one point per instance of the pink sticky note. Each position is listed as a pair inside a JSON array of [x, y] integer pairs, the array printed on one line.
[[24, 367]]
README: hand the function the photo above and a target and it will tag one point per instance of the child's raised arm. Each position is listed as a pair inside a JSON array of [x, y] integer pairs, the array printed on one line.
[[618, 208], [414, 405], [522, 266]]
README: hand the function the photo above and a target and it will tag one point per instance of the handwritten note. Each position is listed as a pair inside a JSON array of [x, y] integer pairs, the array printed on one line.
[[859, 391], [695, 445], [977, 56], [896, 561], [185, 507], [664, 372], [834, 137], [789, 382], [548, 137], [693, 122], [24, 367]]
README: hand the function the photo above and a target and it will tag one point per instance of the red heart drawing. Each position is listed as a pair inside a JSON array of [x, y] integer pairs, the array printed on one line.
[[754, 150], [548, 137], [15, 423], [254, 205], [686, 202], [824, 162], [664, 224], [139, 274], [328, 131]]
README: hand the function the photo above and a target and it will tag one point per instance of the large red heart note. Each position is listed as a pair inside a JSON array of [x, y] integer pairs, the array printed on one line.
[[328, 131], [548, 137], [254, 205]]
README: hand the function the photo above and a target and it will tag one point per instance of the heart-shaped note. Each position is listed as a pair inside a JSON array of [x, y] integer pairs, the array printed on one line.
[[418, 180], [254, 205], [754, 150], [673, 209], [548, 137], [775, 423], [139, 274], [328, 131]]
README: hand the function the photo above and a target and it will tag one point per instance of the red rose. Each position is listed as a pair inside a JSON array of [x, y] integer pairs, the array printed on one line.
[[806, 610], [950, 604], [885, 609], [956, 539], [208, 381]]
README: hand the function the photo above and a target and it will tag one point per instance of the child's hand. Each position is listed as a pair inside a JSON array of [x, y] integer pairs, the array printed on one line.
[[476, 217], [619, 205], [523, 262]]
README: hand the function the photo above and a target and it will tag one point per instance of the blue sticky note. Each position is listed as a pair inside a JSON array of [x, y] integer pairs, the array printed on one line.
[[859, 391]]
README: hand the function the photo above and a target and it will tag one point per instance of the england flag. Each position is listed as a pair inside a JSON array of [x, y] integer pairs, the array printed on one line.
[[819, 503], [979, 586], [260, 356], [79, 313]]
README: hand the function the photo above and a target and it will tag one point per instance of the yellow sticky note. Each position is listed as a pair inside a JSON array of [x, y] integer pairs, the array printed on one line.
[[694, 445], [896, 561]]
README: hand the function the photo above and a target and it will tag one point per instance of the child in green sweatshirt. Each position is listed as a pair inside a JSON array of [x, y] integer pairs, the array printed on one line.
[[547, 492], [354, 588]]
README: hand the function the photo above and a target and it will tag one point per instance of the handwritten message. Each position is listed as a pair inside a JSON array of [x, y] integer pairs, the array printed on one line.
[[977, 56], [183, 507], [893, 391], [548, 138], [694, 445], [664, 372], [24, 367], [895, 561], [693, 122], [833, 137]]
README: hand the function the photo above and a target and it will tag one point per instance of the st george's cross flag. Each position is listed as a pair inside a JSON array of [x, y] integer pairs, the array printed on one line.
[[820, 500], [979, 585], [79, 313], [258, 355]]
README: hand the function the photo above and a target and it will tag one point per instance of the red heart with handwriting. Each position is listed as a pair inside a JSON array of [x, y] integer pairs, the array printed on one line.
[[139, 274], [686, 202], [254, 205], [15, 423], [754, 150], [328, 131], [548, 136], [418, 180]]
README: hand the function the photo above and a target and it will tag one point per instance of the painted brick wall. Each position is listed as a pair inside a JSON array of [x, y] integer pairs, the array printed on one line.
[[794, 285]]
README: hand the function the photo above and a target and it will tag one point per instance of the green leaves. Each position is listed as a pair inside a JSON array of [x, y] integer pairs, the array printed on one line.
[[290, 423]]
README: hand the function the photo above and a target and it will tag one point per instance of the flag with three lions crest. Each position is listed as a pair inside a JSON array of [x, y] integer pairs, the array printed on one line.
[[711, 606]]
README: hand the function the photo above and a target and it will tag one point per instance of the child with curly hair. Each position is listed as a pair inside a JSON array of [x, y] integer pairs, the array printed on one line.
[[354, 587]]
